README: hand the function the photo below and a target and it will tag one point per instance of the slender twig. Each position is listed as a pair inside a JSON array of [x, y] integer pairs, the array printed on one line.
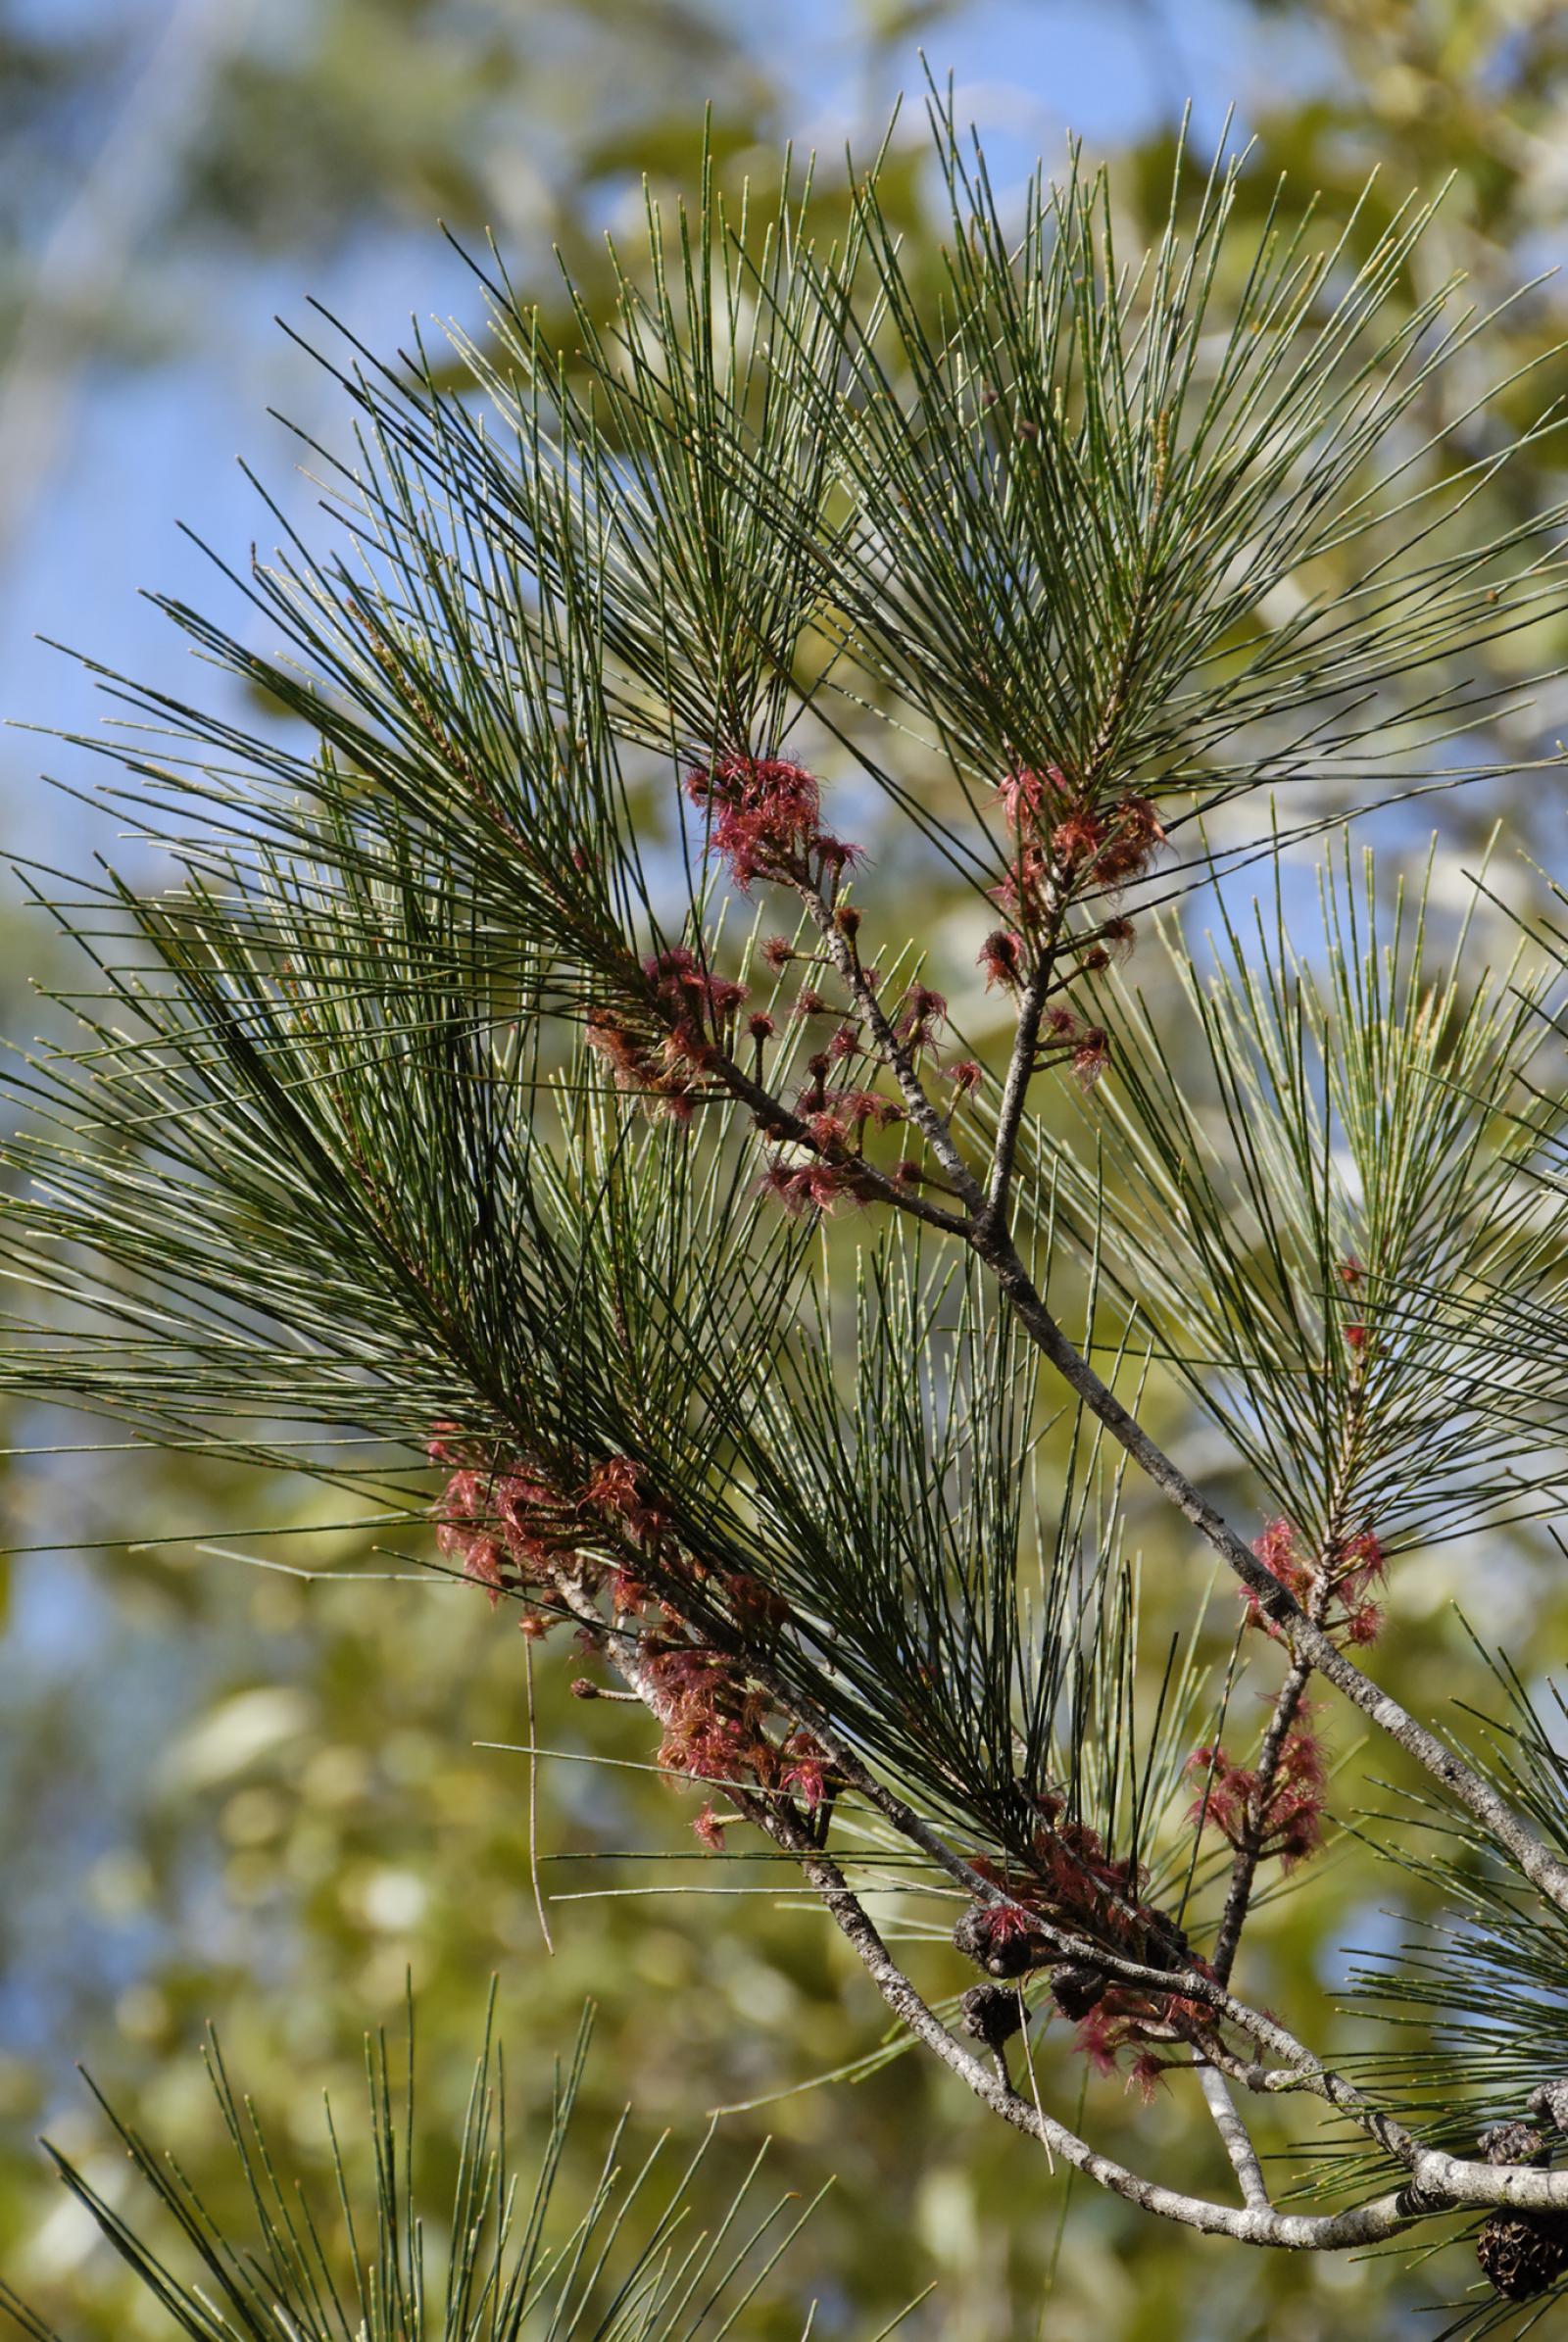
[[1234, 2135], [776, 1817], [1254, 1823], [1015, 1086], [900, 1060]]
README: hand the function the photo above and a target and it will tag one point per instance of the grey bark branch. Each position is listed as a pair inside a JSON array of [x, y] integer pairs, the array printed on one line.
[[772, 1112], [1015, 1088], [922, 1114], [1244, 1865], [1234, 2134], [1251, 2224], [1306, 1640]]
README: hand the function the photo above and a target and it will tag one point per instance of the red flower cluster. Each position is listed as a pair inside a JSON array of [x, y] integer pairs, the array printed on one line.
[[1125, 2017], [712, 1719], [714, 1724], [1289, 1824], [618, 1488], [1352, 1275], [514, 1529], [1074, 1885], [1028, 797], [1065, 842], [689, 993], [765, 815], [834, 1115], [511, 1527], [836, 1119], [1002, 957], [1360, 1563], [505, 1527], [1276, 1548], [1355, 1564], [1086, 1047], [813, 1184], [691, 1011]]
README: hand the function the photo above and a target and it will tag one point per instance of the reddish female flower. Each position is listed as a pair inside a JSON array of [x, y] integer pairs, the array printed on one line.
[[1361, 1562], [1076, 840], [1289, 1824], [765, 820], [617, 1486], [922, 1010], [1025, 793], [804, 1773], [1133, 831], [1027, 875], [812, 1185], [623, 1050], [870, 1107], [485, 1562], [1002, 957], [1092, 1056]]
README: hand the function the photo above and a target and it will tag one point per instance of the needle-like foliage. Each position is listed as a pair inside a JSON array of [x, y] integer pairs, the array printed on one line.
[[467, 1120], [1317, 1224], [354, 2256]]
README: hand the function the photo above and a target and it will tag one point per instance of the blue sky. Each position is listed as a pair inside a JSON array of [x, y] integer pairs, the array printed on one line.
[[139, 449]]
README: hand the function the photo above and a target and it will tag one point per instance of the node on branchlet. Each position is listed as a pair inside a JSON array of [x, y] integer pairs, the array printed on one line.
[[991, 2013], [1523, 2253]]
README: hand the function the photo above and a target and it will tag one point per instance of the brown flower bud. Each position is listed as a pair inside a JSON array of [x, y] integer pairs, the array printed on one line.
[[1523, 2252], [991, 2013], [1076, 1989], [1512, 2142], [1549, 2102]]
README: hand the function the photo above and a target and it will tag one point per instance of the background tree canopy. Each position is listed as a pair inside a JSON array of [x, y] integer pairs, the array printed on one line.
[[233, 1791]]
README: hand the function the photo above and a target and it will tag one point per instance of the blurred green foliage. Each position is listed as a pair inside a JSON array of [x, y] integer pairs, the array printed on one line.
[[233, 1793]]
